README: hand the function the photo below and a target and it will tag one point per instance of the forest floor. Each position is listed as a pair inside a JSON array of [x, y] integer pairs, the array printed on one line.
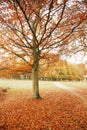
[[58, 109]]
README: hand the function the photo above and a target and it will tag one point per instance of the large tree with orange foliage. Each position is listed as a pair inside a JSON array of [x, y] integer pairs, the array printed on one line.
[[30, 29]]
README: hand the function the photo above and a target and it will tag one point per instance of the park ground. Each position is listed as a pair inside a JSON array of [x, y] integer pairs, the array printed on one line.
[[62, 106]]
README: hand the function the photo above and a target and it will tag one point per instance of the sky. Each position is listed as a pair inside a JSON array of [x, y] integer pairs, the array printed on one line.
[[77, 58]]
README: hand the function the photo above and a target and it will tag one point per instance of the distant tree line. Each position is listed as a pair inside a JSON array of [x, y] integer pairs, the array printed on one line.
[[62, 70], [50, 69]]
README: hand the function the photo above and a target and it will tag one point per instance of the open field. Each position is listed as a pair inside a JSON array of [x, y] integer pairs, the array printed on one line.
[[58, 109], [76, 84], [27, 84]]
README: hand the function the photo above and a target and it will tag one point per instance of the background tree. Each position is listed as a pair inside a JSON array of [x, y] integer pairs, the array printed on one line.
[[13, 67], [62, 70], [32, 28]]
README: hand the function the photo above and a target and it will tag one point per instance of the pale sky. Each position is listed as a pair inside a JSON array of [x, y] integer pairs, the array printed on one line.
[[77, 58]]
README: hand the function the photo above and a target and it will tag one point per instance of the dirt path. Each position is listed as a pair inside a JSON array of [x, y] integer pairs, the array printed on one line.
[[72, 91]]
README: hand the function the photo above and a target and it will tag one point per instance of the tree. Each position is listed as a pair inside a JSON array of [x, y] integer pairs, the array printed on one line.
[[13, 67], [32, 28], [78, 42]]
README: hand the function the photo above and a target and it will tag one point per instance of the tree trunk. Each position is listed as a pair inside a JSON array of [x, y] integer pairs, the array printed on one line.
[[35, 76]]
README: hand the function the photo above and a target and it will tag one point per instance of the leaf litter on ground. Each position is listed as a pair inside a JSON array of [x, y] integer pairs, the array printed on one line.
[[56, 110]]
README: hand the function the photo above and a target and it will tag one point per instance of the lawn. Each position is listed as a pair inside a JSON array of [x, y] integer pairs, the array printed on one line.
[[77, 84], [27, 84], [56, 110]]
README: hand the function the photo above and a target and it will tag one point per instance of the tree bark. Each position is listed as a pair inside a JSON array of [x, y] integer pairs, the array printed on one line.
[[35, 75]]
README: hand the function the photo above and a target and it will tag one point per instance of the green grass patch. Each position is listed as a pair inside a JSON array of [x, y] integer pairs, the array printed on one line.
[[17, 85], [77, 84], [25, 84]]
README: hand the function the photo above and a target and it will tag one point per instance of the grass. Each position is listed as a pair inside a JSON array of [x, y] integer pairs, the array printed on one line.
[[27, 84], [21, 83], [77, 84], [17, 85], [13, 86]]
